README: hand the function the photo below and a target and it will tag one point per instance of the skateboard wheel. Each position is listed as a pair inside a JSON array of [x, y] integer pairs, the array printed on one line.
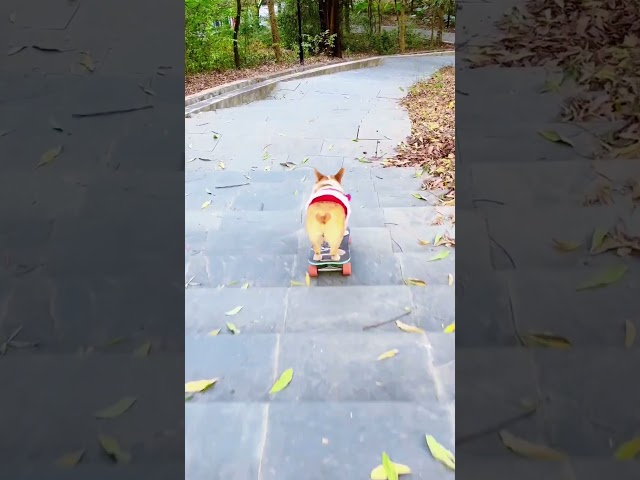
[[313, 271], [346, 269]]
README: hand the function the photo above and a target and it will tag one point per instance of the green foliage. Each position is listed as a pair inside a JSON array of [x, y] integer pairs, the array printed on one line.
[[322, 43], [288, 22]]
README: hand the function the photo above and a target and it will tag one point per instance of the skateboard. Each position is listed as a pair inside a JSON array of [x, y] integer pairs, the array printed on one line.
[[326, 264]]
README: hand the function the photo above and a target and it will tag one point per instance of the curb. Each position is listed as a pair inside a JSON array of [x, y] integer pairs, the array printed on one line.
[[249, 90]]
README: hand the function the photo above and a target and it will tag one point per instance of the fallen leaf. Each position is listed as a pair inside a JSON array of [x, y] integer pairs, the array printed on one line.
[[548, 340], [112, 448], [604, 278], [440, 453], [50, 155], [528, 449], [450, 279], [143, 350], [389, 467], [598, 237], [214, 332], [307, 279], [628, 450], [222, 165], [555, 137], [232, 328], [117, 408], [283, 381], [416, 281], [330, 147], [304, 160], [295, 283], [288, 166], [245, 286], [423, 242], [629, 334], [565, 246], [87, 61], [199, 386], [388, 354], [55, 125], [436, 240], [233, 311], [71, 459], [408, 328], [205, 204], [364, 160], [419, 196], [440, 255], [378, 473], [450, 328]]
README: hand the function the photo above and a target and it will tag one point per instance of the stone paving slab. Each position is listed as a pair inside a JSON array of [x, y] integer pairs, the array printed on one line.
[[356, 447], [243, 430], [416, 265], [263, 310]]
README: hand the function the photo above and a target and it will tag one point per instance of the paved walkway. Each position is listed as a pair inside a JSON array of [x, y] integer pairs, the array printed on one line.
[[343, 408]]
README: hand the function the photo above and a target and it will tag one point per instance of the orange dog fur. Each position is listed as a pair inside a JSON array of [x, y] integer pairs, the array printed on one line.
[[326, 221]]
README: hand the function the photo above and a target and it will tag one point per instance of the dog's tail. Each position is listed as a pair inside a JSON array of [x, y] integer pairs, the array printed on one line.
[[323, 218]]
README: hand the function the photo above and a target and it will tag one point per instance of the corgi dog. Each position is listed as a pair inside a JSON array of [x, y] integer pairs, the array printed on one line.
[[327, 213]]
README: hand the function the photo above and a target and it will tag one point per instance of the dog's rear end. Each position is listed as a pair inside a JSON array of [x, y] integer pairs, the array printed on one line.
[[326, 221]]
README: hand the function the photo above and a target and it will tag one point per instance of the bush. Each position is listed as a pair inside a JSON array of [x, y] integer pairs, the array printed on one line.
[[288, 21]]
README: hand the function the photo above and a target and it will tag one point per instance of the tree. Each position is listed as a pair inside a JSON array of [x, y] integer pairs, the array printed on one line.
[[275, 33], [236, 29], [402, 26], [330, 14]]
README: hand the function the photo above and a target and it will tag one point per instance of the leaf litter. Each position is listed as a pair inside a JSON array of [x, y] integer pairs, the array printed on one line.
[[431, 145], [282, 382], [440, 453]]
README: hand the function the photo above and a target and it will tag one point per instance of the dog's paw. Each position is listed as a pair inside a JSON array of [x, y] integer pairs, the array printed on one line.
[[335, 258], [317, 257]]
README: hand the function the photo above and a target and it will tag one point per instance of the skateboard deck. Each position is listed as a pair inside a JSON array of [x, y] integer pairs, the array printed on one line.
[[326, 264]]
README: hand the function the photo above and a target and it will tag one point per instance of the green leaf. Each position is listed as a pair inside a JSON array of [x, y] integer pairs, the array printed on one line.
[[440, 255], [245, 286], [419, 196], [628, 450], [555, 137], [50, 155], [112, 448], [233, 312], [604, 278], [389, 467], [598, 237], [440, 453], [283, 381], [378, 473], [304, 160], [117, 408], [199, 386]]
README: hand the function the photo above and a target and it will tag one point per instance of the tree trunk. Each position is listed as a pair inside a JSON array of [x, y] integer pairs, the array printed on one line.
[[322, 12], [402, 26], [258, 14], [275, 33], [370, 15], [379, 18], [440, 26], [236, 29], [330, 14]]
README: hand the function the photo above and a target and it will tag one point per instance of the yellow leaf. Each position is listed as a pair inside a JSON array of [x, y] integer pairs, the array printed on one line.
[[423, 242], [439, 256], [307, 279], [143, 350], [206, 204], [233, 311], [71, 459], [555, 137], [50, 155], [528, 449], [565, 246], [545, 339], [604, 278], [378, 473], [450, 279], [199, 386], [415, 281], [232, 328], [283, 381], [436, 240], [245, 286], [628, 450], [222, 165], [295, 283], [388, 354], [440, 453], [112, 448], [117, 408], [450, 328], [214, 332], [629, 334], [408, 328]]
